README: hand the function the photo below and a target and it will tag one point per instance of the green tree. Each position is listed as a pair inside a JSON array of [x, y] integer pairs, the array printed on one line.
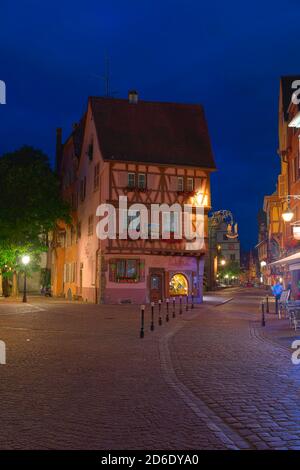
[[30, 205], [230, 269]]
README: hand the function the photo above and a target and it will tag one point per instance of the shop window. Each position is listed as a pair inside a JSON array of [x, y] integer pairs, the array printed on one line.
[[178, 285]]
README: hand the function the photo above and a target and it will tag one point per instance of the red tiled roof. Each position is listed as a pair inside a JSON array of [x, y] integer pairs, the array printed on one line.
[[152, 132]]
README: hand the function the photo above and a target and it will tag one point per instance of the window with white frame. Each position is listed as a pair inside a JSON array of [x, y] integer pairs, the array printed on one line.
[[180, 183], [131, 180], [141, 181], [190, 184]]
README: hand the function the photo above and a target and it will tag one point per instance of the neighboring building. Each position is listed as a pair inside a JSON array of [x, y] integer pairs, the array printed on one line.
[[281, 249], [150, 152], [224, 244], [64, 267]]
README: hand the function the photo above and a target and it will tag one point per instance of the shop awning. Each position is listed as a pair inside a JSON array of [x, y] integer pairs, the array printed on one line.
[[295, 258]]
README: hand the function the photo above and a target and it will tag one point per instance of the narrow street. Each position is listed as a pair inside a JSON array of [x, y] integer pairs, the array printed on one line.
[[78, 376]]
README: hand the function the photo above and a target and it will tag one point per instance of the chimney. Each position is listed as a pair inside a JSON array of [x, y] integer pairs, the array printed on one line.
[[58, 148], [133, 97]]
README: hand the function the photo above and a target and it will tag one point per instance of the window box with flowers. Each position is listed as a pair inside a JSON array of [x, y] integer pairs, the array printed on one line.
[[128, 271]]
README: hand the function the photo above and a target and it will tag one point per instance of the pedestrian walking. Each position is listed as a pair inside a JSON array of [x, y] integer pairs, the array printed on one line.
[[277, 291]]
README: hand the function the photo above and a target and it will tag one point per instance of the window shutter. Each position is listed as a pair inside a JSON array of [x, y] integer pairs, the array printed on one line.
[[113, 270], [281, 186], [142, 270]]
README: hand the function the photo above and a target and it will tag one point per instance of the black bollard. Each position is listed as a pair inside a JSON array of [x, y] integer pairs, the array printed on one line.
[[192, 300], [152, 316], [159, 313], [180, 304], [263, 320], [267, 304], [142, 321], [187, 302], [173, 315], [167, 315]]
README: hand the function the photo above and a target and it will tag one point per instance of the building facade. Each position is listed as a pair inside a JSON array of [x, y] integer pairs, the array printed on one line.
[[279, 248], [150, 153], [224, 246]]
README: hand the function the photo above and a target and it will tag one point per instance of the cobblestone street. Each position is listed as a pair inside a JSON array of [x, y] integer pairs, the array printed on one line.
[[79, 377]]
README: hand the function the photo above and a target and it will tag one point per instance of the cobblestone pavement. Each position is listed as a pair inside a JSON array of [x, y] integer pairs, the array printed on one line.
[[79, 377], [246, 380]]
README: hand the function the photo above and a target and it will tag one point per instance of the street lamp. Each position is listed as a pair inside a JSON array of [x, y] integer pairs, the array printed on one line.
[[223, 262], [288, 214], [263, 264], [25, 261]]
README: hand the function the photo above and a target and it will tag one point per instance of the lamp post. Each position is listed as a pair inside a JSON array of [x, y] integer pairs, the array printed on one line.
[[263, 265], [25, 261]]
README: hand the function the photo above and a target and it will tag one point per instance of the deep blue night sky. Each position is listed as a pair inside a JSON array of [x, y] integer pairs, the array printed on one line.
[[226, 55]]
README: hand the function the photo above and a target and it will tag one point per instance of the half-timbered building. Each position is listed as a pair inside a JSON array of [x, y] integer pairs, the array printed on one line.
[[152, 153]]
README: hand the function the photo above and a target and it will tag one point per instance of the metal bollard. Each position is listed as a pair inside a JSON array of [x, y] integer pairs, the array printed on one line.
[[263, 320], [276, 305], [187, 303], [267, 304], [167, 315], [152, 316], [159, 313], [192, 300], [142, 321], [180, 304], [173, 315]]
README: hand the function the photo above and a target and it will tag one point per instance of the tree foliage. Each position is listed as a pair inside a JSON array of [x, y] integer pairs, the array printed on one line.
[[230, 269], [30, 205]]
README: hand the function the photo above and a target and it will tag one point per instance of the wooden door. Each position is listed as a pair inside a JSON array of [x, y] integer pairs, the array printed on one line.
[[156, 286]]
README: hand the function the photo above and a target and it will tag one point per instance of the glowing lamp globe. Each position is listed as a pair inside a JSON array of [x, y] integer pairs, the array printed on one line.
[[288, 215], [25, 259]]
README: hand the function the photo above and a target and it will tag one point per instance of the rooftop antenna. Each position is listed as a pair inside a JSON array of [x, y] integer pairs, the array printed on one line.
[[106, 77]]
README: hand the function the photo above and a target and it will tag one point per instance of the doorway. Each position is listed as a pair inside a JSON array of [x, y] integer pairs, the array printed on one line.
[[156, 285]]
